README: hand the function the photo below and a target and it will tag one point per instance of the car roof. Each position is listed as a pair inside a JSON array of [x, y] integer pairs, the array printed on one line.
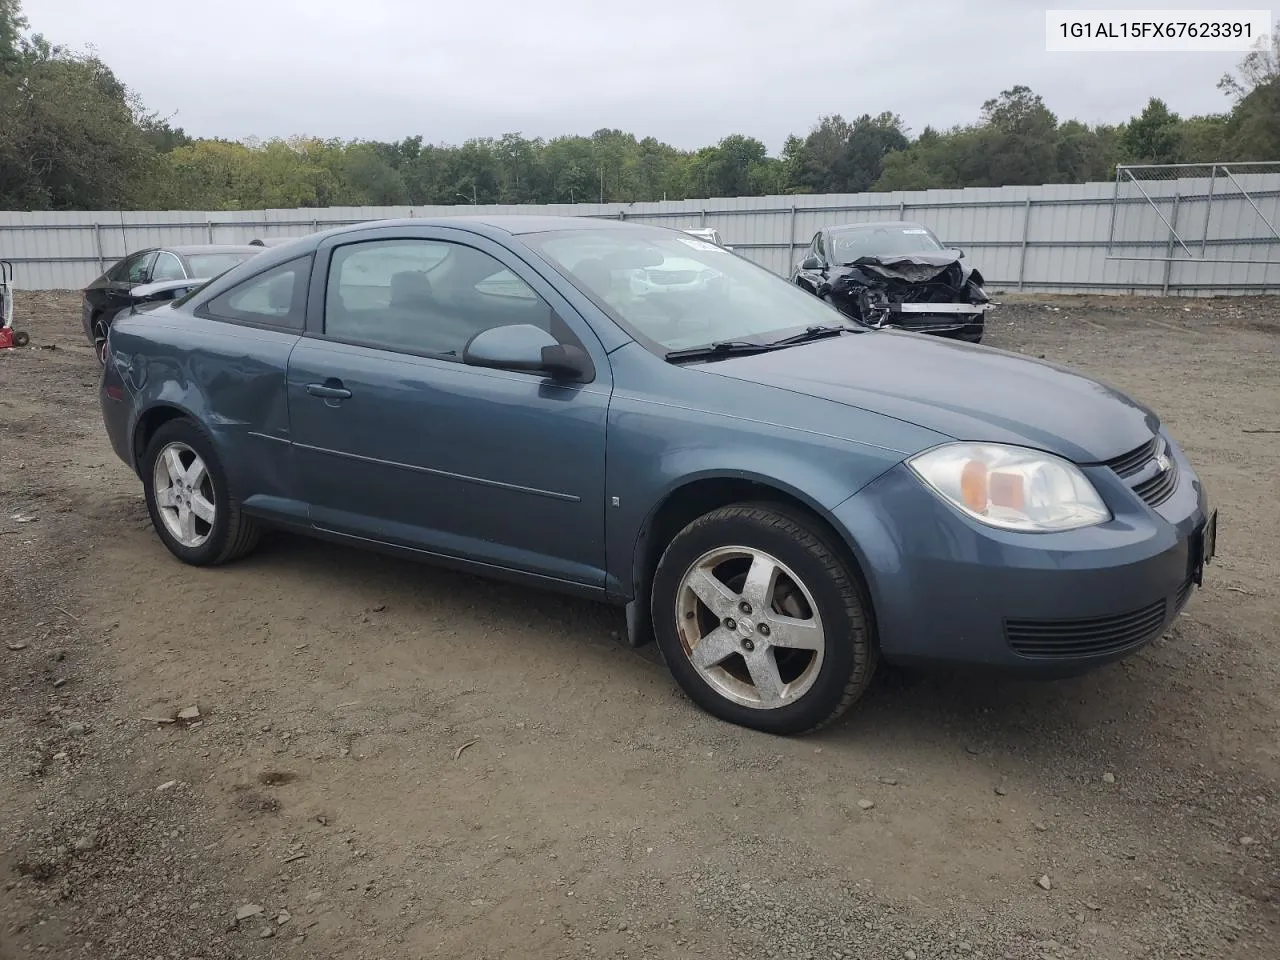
[[512, 224], [878, 224], [516, 224], [192, 249], [493, 226]]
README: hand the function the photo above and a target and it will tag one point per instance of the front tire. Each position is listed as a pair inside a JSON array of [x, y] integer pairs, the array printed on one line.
[[761, 620], [187, 496]]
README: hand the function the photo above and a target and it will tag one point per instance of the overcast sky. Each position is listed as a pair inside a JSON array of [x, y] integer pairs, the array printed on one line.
[[685, 71]]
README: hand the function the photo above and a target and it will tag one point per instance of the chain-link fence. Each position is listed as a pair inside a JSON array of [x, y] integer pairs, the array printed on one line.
[[1204, 212]]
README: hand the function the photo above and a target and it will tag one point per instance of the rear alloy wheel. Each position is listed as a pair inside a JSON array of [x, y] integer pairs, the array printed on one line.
[[100, 330], [761, 620], [187, 497]]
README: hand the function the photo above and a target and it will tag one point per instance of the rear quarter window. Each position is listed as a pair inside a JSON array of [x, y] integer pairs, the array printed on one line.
[[274, 298]]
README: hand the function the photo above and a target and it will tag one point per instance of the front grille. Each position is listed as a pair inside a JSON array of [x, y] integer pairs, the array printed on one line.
[[1127, 464], [1160, 487], [1156, 489], [1184, 594], [1093, 637]]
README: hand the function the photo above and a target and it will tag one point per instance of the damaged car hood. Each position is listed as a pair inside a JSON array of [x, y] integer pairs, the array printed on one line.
[[965, 392], [913, 268]]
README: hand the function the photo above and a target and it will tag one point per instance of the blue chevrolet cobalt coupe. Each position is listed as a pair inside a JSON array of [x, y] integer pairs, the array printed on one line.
[[778, 496]]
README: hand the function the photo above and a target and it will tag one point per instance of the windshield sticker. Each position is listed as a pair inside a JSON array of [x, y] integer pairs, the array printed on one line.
[[701, 244]]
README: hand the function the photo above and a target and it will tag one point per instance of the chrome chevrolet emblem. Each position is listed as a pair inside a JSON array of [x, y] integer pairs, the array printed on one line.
[[1163, 462]]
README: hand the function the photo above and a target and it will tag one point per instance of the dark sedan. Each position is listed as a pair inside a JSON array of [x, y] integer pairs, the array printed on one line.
[[778, 496], [114, 290], [895, 273]]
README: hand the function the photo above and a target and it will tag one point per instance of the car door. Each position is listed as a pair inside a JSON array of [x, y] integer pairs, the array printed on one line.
[[135, 270], [396, 440], [109, 294]]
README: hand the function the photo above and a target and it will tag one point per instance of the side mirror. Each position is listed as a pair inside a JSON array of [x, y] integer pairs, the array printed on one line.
[[958, 252], [811, 263], [522, 346]]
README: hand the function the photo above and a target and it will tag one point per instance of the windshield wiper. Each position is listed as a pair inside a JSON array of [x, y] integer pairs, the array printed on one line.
[[721, 348], [811, 333], [725, 348]]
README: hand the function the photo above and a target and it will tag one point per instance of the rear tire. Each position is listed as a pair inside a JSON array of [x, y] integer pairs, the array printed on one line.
[[187, 495], [761, 619]]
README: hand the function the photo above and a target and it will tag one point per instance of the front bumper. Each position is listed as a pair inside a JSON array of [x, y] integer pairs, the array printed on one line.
[[946, 589], [940, 309], [936, 317]]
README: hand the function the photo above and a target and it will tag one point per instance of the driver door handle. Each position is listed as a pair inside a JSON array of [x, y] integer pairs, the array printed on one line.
[[331, 390]]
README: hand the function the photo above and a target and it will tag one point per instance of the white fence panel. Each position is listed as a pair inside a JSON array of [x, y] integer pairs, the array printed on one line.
[[1057, 237]]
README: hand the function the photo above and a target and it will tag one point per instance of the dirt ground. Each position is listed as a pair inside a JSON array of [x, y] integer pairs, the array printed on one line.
[[394, 762]]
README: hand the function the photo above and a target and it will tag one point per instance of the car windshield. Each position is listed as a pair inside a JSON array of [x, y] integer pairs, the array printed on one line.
[[678, 291], [850, 243], [210, 265]]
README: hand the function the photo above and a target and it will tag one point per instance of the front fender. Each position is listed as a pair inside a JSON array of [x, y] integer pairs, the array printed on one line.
[[656, 452]]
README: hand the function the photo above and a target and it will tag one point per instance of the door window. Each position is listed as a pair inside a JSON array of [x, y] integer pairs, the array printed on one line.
[[426, 296], [168, 267], [132, 269]]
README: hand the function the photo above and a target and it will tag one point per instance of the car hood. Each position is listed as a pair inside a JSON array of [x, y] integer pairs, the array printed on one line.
[[912, 267], [964, 391]]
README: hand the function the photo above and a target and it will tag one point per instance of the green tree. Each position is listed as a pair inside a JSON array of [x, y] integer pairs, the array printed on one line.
[[69, 139], [1154, 136], [12, 24], [1252, 129], [73, 136]]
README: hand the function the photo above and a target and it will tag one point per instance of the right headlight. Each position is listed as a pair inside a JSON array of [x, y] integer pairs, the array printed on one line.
[[1013, 488]]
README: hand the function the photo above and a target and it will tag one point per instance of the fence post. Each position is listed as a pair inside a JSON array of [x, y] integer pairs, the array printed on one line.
[[791, 239], [1115, 202], [97, 242], [1173, 228], [1208, 208], [902, 209], [1026, 230], [704, 217], [209, 223]]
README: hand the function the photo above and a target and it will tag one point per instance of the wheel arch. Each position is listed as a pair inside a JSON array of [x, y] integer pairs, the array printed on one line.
[[151, 420], [697, 496]]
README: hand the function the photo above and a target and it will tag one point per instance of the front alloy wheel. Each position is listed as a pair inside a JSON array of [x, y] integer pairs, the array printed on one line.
[[750, 627], [761, 618]]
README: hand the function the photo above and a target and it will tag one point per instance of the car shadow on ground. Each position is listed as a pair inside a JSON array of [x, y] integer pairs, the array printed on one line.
[[1110, 710]]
